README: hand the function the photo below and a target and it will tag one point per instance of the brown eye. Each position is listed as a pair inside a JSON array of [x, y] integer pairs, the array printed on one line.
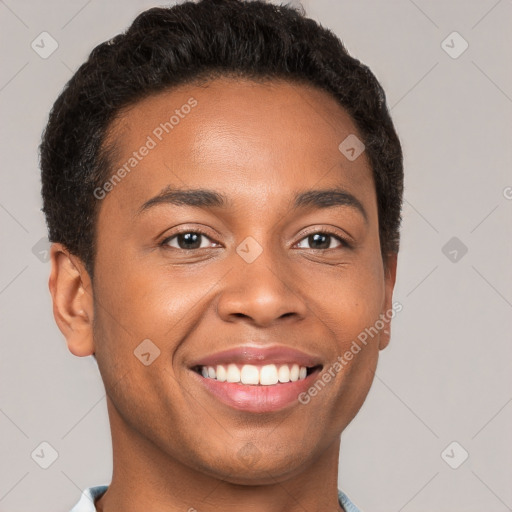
[[322, 241], [187, 240]]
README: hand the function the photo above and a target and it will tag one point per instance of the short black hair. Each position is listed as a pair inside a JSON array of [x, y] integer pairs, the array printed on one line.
[[170, 46]]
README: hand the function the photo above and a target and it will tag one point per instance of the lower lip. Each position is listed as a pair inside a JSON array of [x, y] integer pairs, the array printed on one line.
[[252, 398]]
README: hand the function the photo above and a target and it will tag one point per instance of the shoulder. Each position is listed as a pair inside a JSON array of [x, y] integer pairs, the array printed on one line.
[[346, 503], [88, 497]]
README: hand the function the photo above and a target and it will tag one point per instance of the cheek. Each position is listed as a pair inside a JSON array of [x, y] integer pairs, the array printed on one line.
[[350, 307], [133, 301], [349, 299]]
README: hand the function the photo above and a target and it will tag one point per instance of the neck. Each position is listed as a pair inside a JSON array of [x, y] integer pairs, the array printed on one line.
[[146, 478]]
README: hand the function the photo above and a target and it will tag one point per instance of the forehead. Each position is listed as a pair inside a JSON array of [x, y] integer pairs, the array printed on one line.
[[253, 141]]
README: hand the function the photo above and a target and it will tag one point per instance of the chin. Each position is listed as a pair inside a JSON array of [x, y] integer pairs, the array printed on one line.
[[264, 471]]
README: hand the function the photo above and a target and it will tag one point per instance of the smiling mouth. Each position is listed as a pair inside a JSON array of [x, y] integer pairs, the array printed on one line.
[[256, 375]]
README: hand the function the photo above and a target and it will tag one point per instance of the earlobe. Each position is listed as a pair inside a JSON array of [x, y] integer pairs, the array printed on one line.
[[71, 291], [389, 280]]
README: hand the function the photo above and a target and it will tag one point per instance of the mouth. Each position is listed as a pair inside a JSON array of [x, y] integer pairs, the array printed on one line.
[[255, 378], [256, 375], [255, 389]]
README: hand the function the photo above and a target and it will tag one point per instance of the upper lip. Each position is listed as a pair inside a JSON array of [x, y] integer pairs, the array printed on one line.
[[251, 354]]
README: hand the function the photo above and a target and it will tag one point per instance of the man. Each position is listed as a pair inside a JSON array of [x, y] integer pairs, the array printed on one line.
[[223, 185]]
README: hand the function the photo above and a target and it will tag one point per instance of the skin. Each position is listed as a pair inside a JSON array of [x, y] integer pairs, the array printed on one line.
[[257, 143]]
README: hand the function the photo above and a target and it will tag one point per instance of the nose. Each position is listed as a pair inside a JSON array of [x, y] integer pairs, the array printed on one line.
[[262, 292]]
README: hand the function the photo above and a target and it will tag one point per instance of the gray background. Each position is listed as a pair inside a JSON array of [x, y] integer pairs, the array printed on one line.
[[446, 374]]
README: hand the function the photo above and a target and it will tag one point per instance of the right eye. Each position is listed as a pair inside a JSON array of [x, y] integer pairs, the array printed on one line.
[[186, 240]]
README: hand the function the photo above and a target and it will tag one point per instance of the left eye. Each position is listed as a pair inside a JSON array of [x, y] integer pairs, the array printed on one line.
[[322, 240], [188, 240]]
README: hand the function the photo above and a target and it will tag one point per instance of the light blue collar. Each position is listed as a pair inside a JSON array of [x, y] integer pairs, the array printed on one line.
[[91, 494]]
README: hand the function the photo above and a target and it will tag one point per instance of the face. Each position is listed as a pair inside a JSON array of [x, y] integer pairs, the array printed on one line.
[[255, 262]]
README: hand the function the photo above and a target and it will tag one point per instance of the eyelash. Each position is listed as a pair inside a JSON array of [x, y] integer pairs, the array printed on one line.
[[343, 241]]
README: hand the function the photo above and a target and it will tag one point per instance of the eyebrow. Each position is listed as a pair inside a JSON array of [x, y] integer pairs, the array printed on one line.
[[204, 198]]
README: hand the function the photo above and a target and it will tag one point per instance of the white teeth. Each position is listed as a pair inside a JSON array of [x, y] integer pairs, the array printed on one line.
[[284, 373], [249, 374], [268, 375], [221, 373], [294, 373], [233, 373]]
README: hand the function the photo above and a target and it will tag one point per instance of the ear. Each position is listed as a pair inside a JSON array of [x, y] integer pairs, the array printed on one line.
[[71, 290], [389, 284]]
